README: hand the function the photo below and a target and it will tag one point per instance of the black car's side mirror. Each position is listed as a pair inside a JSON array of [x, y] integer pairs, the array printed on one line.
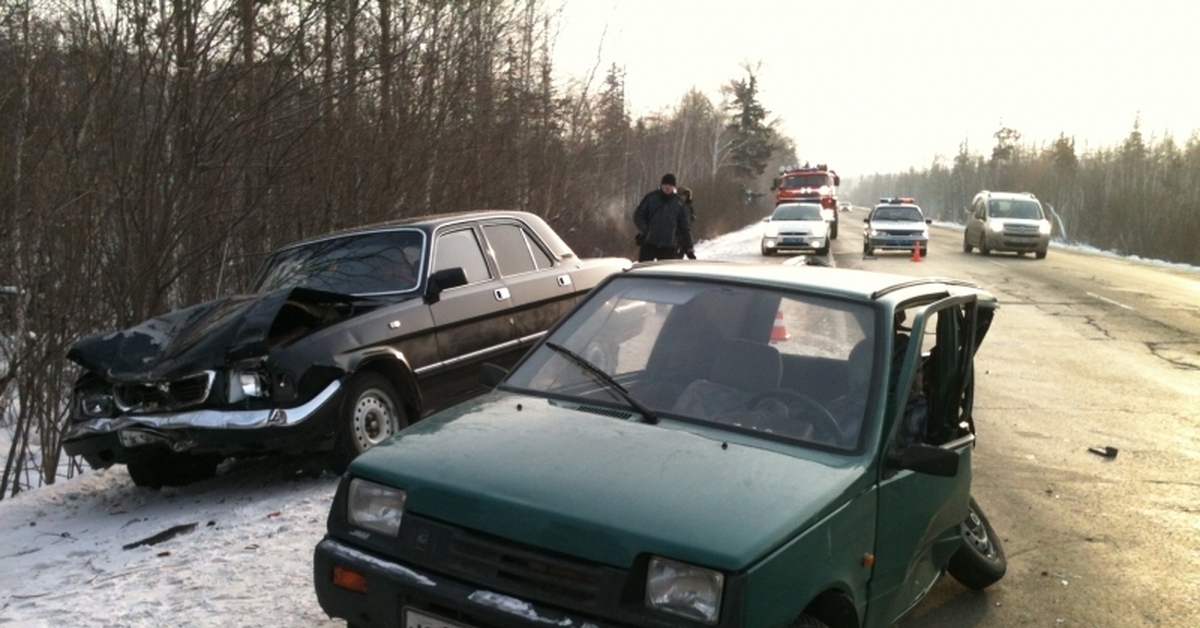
[[444, 280], [928, 459], [491, 374]]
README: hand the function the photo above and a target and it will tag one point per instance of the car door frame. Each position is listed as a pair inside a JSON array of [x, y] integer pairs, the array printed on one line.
[[919, 514], [472, 326]]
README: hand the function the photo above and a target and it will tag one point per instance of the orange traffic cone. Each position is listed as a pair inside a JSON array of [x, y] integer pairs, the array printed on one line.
[[778, 331], [916, 253]]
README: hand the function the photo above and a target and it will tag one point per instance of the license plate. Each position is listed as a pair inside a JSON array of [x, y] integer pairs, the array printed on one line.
[[419, 619]]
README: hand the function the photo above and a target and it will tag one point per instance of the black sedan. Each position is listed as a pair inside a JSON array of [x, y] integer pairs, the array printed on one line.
[[343, 341]]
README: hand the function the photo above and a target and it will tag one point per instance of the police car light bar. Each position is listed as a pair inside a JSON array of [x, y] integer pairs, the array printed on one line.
[[901, 200]]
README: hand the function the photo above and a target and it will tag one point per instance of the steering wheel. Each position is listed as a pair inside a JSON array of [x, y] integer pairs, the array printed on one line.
[[825, 422]]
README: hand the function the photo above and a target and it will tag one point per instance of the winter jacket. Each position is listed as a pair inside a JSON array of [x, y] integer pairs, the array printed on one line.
[[663, 220]]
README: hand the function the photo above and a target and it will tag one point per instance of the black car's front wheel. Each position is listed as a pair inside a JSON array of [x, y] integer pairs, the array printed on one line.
[[980, 561], [371, 413]]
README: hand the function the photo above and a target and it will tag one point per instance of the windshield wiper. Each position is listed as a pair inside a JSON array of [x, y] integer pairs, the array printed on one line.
[[647, 414]]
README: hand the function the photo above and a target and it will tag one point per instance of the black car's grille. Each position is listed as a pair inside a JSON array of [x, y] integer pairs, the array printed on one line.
[[164, 396], [523, 571], [1020, 230]]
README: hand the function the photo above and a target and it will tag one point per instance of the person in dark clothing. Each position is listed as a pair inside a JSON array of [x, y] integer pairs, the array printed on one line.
[[686, 195], [663, 224]]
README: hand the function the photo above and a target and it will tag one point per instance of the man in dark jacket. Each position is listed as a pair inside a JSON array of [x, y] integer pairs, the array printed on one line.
[[663, 224]]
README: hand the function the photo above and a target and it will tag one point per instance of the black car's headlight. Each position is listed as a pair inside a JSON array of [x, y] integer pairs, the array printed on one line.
[[247, 383], [684, 590], [375, 507], [94, 405]]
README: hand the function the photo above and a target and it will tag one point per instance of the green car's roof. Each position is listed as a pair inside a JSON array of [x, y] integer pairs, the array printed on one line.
[[836, 282]]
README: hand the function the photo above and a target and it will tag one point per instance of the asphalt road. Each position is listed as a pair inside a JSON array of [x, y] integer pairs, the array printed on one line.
[[1087, 350]]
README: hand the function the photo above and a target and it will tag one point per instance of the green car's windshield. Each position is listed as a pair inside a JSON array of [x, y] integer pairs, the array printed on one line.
[[373, 263], [788, 365]]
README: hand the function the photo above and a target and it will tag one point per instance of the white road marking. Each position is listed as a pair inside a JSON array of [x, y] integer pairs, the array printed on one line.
[[1108, 300]]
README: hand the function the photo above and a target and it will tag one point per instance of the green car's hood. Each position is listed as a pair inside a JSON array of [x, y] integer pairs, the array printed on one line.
[[607, 489]]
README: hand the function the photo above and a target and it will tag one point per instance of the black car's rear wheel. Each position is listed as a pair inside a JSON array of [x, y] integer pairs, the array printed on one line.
[[172, 469], [980, 561], [371, 413]]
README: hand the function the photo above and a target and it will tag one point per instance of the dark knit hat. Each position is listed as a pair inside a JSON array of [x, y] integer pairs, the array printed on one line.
[[668, 179]]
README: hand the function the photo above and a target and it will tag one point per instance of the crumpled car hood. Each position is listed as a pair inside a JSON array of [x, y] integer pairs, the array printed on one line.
[[204, 336]]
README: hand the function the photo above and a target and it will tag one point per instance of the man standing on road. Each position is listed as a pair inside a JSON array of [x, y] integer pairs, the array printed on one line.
[[664, 227]]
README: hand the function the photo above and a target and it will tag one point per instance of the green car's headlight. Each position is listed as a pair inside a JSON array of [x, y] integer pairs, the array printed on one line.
[[684, 590], [375, 507]]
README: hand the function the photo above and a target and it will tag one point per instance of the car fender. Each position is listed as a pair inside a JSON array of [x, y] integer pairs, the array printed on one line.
[[395, 366]]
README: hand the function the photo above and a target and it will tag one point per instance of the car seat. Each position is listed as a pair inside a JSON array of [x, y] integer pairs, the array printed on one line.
[[741, 370]]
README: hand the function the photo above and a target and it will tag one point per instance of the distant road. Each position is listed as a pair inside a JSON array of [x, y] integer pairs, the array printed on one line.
[[1086, 351]]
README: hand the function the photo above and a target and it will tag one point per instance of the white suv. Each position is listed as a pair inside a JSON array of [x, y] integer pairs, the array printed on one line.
[[1006, 221]]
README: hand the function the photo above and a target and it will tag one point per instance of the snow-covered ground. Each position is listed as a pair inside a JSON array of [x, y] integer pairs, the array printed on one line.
[[70, 553]]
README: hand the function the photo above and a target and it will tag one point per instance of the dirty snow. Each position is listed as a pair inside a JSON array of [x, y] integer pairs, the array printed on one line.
[[243, 556]]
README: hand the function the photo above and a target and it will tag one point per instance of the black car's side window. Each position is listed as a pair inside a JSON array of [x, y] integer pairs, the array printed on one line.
[[515, 253], [461, 249]]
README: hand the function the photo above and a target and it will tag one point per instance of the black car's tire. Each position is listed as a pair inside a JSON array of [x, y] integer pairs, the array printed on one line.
[[767, 252], [833, 229], [924, 251], [823, 250], [371, 412], [808, 621], [983, 247], [980, 561], [173, 469], [1040, 254], [966, 243]]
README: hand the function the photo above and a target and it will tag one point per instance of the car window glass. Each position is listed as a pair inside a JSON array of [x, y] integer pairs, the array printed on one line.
[[797, 212], [540, 256], [513, 255], [370, 263], [899, 214], [737, 358], [806, 181], [461, 249]]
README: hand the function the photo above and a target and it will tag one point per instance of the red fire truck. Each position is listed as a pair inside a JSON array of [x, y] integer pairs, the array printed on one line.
[[810, 184]]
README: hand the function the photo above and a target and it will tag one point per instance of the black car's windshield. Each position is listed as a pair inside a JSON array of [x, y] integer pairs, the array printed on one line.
[[373, 263], [1021, 209], [898, 214], [804, 211], [792, 366]]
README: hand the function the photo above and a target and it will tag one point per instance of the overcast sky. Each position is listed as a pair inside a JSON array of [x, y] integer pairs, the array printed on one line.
[[884, 85]]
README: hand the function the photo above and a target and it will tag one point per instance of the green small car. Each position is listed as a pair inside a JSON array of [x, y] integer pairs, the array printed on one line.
[[694, 444]]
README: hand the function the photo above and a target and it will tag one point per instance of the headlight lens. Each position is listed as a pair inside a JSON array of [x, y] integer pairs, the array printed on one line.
[[1044, 227], [96, 405], [244, 384], [684, 590], [996, 225], [375, 507]]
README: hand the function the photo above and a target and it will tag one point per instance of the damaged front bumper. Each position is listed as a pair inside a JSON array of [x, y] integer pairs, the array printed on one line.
[[117, 440]]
